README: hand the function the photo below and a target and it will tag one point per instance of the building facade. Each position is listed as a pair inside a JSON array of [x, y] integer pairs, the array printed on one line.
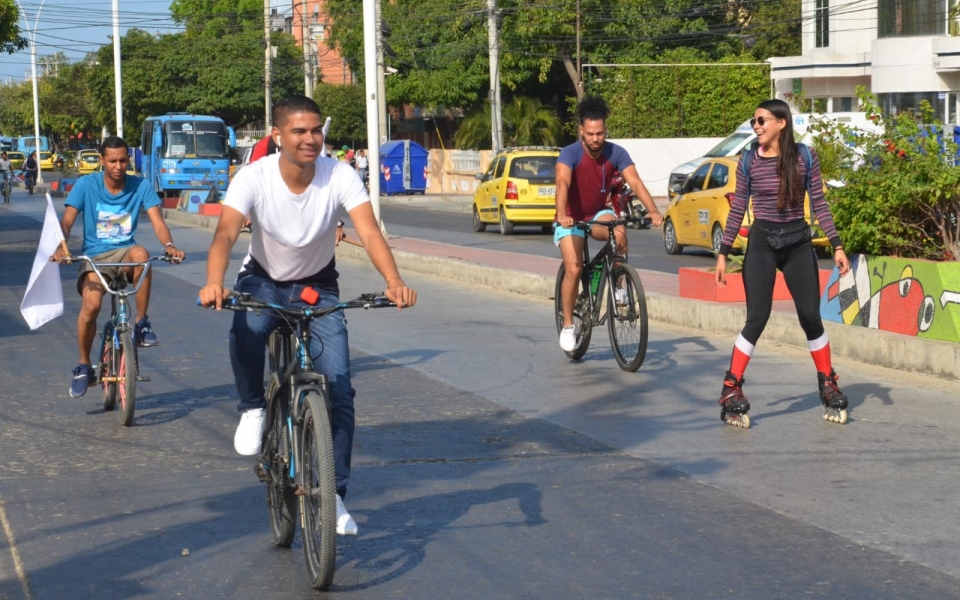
[[903, 51]]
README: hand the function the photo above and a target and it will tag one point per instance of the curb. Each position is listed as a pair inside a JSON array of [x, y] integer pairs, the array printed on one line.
[[871, 346]]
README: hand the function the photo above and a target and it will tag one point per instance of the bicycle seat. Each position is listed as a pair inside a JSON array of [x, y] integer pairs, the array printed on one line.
[[119, 283]]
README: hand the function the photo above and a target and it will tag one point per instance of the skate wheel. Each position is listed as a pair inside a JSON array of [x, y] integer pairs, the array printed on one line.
[[738, 420], [843, 417]]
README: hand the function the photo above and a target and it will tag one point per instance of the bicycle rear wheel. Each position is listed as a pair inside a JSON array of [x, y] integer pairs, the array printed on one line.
[[318, 503], [108, 369], [127, 378], [627, 321], [581, 317]]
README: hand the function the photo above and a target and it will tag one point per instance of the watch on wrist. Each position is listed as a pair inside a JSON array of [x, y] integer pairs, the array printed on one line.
[[169, 245], [339, 223]]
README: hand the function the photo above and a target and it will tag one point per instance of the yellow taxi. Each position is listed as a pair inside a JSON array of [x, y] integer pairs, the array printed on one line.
[[46, 161], [698, 214], [16, 159], [88, 161], [518, 188]]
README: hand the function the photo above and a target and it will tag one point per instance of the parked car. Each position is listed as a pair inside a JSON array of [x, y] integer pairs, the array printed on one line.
[[46, 161], [88, 161], [743, 137], [518, 188], [16, 159], [697, 216]]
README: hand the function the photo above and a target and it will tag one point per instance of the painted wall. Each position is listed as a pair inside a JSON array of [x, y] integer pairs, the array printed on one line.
[[907, 296]]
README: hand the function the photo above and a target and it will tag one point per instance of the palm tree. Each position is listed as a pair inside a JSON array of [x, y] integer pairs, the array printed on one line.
[[526, 122]]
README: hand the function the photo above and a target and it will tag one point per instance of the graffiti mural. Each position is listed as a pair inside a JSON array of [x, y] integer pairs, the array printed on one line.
[[907, 296]]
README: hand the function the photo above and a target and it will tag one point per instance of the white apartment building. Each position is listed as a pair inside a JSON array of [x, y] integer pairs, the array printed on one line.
[[903, 51]]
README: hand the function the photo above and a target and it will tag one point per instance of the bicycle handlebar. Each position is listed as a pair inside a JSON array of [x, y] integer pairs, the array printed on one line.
[[97, 266], [244, 302], [585, 225]]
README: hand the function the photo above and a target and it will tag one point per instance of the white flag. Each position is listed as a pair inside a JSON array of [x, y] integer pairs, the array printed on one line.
[[43, 300]]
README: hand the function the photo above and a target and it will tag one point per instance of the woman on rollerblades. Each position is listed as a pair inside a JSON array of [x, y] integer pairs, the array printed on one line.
[[776, 173]]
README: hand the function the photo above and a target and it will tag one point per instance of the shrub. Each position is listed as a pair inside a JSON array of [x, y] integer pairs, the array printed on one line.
[[901, 192]]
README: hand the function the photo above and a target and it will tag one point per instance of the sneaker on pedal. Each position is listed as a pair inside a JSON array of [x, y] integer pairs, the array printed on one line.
[[345, 523], [144, 334], [620, 297], [568, 338], [83, 377], [246, 441]]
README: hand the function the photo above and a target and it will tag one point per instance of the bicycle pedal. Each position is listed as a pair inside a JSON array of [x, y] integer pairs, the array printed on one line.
[[142, 378]]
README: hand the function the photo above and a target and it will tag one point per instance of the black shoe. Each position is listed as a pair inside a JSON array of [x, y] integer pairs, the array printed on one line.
[[830, 393]]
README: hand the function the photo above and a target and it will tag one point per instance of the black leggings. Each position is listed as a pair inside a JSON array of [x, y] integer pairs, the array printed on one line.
[[800, 272]]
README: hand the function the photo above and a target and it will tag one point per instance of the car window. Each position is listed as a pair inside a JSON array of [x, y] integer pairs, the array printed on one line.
[[729, 145], [719, 176], [696, 181], [498, 171], [533, 166]]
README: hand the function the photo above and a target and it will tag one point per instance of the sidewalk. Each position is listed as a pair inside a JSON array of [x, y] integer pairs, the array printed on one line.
[[536, 276]]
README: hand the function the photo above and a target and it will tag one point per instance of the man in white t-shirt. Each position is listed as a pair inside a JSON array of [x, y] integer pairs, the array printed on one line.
[[294, 198]]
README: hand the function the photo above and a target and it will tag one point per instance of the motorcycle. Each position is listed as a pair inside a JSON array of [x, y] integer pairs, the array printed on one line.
[[626, 204]]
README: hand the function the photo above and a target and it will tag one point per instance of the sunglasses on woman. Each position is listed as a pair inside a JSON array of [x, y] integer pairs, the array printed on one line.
[[759, 121]]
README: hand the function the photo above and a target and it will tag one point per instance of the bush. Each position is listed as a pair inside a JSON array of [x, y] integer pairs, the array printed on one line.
[[901, 192]]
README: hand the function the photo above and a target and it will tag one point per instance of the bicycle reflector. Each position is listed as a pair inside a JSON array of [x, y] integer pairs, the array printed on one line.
[[310, 295]]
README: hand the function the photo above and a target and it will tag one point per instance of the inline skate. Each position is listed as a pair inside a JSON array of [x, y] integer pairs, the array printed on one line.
[[733, 404], [834, 401]]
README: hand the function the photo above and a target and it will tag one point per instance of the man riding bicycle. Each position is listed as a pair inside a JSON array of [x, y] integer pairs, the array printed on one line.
[[6, 167], [110, 203], [30, 172], [584, 175], [294, 199]]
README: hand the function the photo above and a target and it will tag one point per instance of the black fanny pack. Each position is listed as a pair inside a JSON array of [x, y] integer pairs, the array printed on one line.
[[787, 235]]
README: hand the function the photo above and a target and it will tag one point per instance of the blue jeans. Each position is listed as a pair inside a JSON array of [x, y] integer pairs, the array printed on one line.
[[248, 345]]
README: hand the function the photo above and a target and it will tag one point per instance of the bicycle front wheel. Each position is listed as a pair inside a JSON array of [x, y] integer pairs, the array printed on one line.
[[281, 493], [318, 503], [127, 378], [581, 317], [627, 318], [108, 369]]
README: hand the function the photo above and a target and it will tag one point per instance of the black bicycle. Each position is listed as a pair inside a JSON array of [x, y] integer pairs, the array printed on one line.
[[610, 291], [119, 366], [296, 456], [6, 186]]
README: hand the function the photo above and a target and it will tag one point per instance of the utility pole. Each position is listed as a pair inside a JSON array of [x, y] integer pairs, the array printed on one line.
[[118, 87], [579, 65], [268, 55], [384, 131], [307, 63], [496, 116]]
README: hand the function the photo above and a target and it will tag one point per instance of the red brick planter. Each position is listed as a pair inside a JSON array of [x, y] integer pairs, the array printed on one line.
[[700, 284]]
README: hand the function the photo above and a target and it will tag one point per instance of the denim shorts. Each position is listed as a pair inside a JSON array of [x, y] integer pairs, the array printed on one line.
[[561, 232]]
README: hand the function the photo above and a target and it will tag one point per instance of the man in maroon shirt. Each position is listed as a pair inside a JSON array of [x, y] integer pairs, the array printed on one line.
[[585, 172]]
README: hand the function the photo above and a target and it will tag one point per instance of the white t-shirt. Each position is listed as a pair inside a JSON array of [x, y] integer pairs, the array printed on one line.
[[294, 235], [361, 162]]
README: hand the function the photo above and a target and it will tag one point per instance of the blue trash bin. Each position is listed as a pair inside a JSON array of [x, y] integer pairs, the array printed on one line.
[[403, 165]]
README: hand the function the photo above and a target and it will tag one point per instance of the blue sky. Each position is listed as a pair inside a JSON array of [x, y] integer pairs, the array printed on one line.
[[76, 27]]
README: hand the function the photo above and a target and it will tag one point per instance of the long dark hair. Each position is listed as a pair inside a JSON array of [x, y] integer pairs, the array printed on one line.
[[791, 188]]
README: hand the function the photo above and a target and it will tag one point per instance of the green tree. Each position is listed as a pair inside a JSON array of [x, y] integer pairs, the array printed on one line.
[[347, 109], [10, 39], [218, 18], [526, 122]]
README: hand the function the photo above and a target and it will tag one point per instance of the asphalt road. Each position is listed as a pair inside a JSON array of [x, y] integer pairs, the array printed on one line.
[[452, 226], [486, 464]]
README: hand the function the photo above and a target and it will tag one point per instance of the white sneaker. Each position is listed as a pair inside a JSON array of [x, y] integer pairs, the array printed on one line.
[[345, 523], [620, 296], [246, 441], [568, 338]]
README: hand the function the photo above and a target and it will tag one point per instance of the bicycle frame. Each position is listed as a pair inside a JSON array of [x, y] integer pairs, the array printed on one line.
[[607, 255]]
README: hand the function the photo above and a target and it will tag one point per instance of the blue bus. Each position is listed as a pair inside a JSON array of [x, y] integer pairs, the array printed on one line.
[[184, 152], [28, 144]]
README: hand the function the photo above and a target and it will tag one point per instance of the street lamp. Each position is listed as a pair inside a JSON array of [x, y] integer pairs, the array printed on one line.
[[33, 70]]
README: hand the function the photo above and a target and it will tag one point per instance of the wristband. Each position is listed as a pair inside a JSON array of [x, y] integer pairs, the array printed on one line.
[[169, 245], [339, 223]]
